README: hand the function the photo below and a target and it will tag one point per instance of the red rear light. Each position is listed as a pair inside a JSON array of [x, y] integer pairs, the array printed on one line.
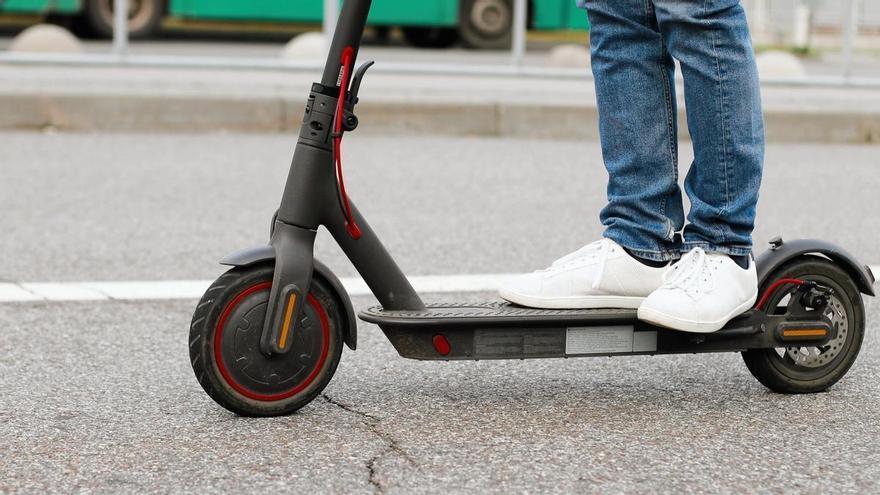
[[441, 345]]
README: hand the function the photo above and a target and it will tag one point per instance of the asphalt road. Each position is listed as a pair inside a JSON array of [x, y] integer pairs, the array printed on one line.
[[167, 207], [99, 397]]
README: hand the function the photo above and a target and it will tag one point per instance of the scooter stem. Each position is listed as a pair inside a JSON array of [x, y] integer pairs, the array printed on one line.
[[310, 200], [349, 31]]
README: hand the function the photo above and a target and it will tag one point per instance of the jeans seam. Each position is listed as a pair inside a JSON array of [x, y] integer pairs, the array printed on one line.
[[670, 130], [724, 138], [665, 79]]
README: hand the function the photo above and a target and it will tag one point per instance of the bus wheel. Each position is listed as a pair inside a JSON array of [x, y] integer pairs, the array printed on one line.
[[486, 23], [144, 17], [427, 37]]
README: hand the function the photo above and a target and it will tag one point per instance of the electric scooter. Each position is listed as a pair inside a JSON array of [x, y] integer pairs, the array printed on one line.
[[268, 334]]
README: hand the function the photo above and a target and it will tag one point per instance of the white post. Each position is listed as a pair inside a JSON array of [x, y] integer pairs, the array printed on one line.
[[331, 15], [518, 45], [120, 27], [803, 26], [850, 28], [761, 21]]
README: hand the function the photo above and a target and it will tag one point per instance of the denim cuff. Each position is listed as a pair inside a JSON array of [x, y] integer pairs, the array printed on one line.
[[715, 248], [647, 254]]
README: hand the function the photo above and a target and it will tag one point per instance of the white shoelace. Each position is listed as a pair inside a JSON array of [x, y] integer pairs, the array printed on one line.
[[692, 273], [597, 251]]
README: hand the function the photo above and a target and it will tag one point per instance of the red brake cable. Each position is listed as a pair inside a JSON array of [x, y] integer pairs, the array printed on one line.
[[353, 230], [770, 290]]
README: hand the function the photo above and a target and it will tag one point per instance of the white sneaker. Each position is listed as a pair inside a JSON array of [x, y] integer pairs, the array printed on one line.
[[701, 293], [600, 275]]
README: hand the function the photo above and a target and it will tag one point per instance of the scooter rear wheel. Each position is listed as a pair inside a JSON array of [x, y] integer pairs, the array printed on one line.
[[224, 345], [798, 370]]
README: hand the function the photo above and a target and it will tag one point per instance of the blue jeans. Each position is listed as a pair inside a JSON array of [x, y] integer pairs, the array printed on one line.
[[633, 44]]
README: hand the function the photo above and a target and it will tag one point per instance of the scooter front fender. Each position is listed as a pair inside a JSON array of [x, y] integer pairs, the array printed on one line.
[[250, 256], [266, 254], [783, 251]]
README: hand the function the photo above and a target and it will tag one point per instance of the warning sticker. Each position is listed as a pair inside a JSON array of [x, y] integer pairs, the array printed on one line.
[[599, 340]]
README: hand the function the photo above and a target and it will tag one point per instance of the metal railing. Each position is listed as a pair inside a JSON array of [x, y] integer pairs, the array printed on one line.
[[120, 55]]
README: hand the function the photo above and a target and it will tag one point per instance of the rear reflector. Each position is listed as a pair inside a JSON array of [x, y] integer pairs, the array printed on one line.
[[804, 333], [441, 345]]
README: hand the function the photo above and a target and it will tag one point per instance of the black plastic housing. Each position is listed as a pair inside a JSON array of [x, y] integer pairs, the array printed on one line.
[[505, 331]]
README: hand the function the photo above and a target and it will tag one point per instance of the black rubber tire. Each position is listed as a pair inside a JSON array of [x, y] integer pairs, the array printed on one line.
[[213, 304], [771, 370], [428, 37], [98, 18], [475, 36]]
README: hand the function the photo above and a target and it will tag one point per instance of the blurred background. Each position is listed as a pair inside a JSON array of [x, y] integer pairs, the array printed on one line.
[[827, 37]]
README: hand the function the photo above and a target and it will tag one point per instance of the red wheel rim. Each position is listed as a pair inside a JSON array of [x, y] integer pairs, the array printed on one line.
[[241, 389]]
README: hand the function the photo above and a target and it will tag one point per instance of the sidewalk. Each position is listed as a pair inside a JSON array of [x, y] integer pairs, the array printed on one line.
[[167, 100]]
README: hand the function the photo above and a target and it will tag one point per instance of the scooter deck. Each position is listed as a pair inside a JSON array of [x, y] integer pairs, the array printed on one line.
[[497, 330], [490, 313]]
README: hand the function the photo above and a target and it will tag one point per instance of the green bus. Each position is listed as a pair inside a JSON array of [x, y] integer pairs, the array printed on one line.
[[429, 23]]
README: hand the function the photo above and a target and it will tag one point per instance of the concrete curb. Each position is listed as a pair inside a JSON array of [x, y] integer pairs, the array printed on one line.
[[140, 112]]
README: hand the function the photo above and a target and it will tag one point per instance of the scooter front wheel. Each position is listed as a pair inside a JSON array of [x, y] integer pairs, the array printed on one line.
[[224, 345]]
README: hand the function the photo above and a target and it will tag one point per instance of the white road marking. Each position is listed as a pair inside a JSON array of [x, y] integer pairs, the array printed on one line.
[[193, 289], [15, 292], [60, 291], [166, 289]]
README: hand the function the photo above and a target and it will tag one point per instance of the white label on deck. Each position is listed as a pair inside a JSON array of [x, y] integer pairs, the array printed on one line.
[[603, 340]]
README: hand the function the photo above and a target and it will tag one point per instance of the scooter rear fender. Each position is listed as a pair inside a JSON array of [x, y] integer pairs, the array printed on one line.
[[782, 252]]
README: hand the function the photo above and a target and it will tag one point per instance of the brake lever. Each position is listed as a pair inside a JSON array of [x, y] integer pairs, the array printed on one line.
[[356, 83]]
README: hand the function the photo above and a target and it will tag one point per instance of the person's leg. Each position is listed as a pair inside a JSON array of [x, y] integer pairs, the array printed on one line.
[[637, 123], [710, 38], [635, 92], [716, 280]]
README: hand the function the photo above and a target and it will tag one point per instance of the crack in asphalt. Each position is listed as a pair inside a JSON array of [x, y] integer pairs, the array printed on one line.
[[392, 447]]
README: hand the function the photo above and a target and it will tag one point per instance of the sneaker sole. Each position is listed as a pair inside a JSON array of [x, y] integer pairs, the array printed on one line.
[[672, 322], [572, 302]]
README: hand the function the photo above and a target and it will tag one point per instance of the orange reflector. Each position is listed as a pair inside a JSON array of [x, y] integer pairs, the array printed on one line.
[[804, 332], [441, 345], [288, 315]]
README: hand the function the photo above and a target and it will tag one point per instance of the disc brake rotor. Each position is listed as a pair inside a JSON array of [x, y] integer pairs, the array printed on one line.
[[815, 357]]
